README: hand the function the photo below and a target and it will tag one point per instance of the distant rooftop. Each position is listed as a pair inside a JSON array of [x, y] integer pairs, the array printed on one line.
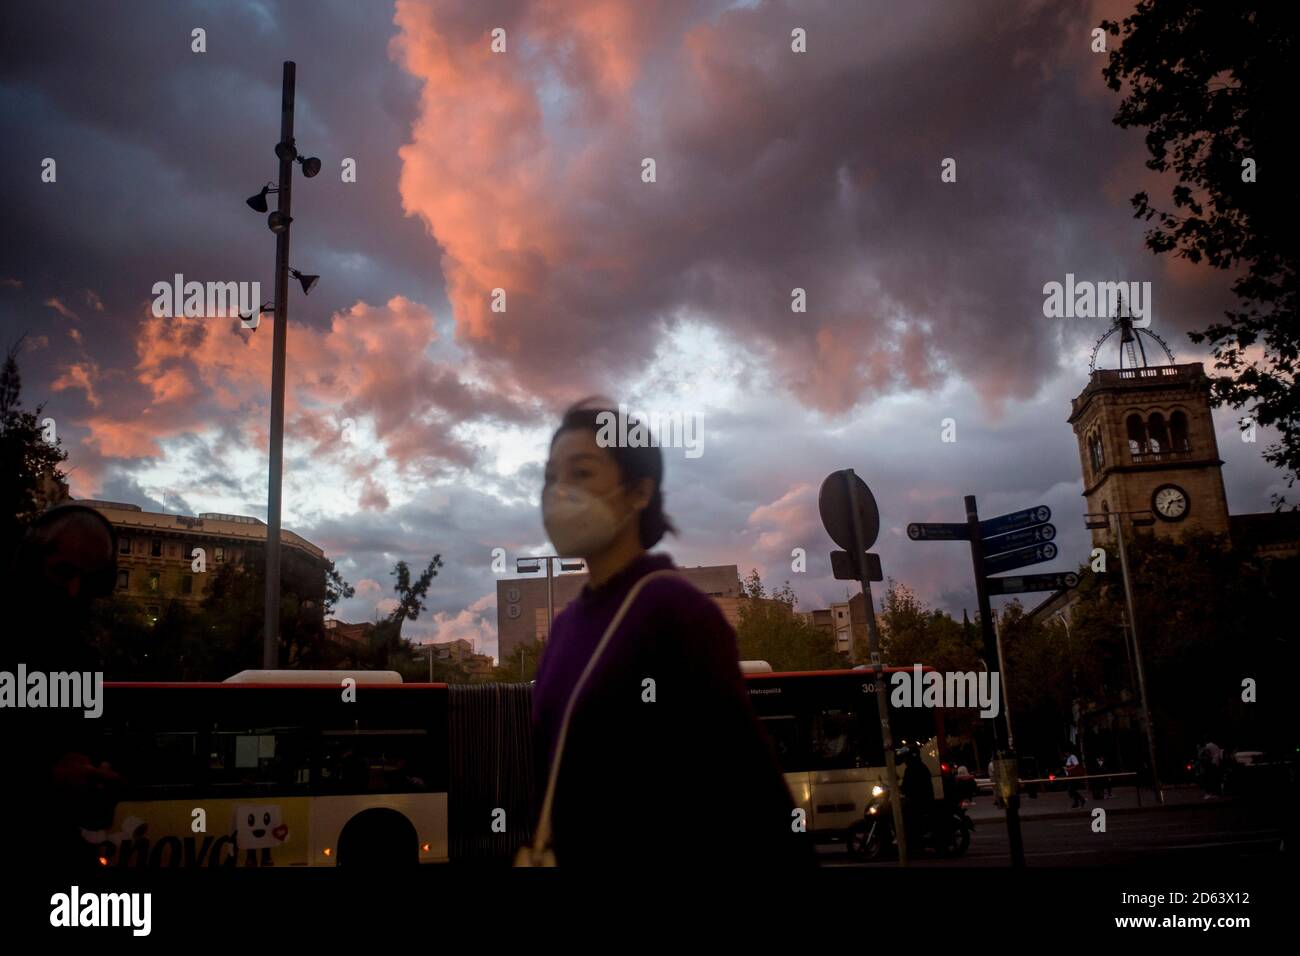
[[209, 522]]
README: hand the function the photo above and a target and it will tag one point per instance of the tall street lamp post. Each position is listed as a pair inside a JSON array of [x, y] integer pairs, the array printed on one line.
[[1101, 520], [278, 222]]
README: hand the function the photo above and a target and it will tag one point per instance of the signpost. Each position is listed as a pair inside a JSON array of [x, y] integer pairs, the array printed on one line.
[[1019, 539], [1019, 558], [1032, 582], [1002, 544], [938, 532], [1015, 521], [844, 568], [850, 516]]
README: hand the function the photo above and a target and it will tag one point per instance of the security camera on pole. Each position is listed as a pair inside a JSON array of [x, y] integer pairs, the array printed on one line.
[[850, 517]]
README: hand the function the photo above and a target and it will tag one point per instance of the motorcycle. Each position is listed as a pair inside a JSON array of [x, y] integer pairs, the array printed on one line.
[[947, 829]]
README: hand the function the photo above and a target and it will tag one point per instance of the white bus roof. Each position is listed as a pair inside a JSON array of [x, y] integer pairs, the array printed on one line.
[[755, 667], [313, 677]]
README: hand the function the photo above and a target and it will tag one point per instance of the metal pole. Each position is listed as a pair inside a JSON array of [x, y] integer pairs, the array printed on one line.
[[550, 599], [877, 671], [1074, 689], [271, 625], [430, 649], [993, 652], [1006, 693], [1137, 656]]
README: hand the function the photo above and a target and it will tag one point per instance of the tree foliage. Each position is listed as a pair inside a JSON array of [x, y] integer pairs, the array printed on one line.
[[1212, 84], [27, 460], [769, 630], [911, 633]]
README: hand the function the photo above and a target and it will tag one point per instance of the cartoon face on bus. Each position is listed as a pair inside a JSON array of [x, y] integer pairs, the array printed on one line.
[[259, 826]]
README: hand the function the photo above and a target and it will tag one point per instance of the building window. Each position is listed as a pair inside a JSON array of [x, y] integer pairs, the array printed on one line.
[[155, 548], [1157, 434], [187, 584], [1137, 435], [1095, 453], [1178, 432], [154, 580], [219, 555], [123, 545], [123, 580]]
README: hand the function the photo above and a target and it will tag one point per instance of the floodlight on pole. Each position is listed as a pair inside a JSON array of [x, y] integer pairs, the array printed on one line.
[[258, 203], [310, 166], [246, 318], [308, 281]]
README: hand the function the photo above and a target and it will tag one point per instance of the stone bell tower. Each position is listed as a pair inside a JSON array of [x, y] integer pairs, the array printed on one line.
[[1146, 439]]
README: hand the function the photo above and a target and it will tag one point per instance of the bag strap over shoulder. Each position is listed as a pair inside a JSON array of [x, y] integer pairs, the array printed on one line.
[[542, 837]]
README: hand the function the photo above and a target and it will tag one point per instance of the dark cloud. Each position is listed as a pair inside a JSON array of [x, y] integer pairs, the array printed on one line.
[[476, 171]]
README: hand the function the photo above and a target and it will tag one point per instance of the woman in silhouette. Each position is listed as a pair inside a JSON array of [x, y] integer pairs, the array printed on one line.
[[664, 762]]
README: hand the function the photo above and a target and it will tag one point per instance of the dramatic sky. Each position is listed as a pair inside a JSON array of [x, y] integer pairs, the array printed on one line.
[[522, 171]]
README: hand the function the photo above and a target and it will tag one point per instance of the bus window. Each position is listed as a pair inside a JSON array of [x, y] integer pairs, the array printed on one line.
[[838, 742], [786, 741], [388, 761], [154, 764], [258, 760]]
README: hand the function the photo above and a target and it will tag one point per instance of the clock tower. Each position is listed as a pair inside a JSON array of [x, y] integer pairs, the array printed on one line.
[[1146, 439]]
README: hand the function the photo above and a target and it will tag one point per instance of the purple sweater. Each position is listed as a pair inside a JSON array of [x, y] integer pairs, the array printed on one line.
[[691, 773]]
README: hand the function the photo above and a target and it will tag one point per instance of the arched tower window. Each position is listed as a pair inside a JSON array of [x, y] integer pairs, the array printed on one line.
[[1095, 452], [1137, 435], [1157, 433], [1178, 432]]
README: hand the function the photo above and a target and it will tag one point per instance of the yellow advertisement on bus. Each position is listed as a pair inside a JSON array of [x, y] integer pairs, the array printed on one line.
[[214, 833]]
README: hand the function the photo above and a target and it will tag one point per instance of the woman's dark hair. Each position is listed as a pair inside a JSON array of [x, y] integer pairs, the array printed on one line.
[[633, 465]]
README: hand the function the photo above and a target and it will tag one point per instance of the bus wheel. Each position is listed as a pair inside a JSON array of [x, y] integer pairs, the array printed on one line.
[[378, 838]]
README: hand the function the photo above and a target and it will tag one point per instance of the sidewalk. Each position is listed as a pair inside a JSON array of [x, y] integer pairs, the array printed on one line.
[[1050, 805]]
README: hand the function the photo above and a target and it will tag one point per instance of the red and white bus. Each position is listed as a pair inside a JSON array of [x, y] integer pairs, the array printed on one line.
[[294, 768]]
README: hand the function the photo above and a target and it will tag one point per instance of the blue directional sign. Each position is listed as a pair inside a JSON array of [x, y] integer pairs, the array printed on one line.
[[1032, 582], [938, 532], [1018, 559], [1003, 524], [1019, 539]]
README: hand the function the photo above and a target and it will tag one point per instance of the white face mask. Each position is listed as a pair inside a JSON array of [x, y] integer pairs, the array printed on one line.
[[578, 522]]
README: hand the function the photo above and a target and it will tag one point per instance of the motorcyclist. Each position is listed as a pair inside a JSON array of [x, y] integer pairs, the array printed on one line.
[[918, 794]]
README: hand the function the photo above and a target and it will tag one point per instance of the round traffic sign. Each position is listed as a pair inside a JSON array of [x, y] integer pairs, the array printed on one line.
[[1071, 579], [1049, 551], [837, 517], [914, 532]]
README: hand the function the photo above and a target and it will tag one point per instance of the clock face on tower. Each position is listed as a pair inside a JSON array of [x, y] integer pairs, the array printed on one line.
[[1170, 503]]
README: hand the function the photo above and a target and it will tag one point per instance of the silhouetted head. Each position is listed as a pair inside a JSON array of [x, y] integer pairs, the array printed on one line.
[[601, 492], [69, 554]]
